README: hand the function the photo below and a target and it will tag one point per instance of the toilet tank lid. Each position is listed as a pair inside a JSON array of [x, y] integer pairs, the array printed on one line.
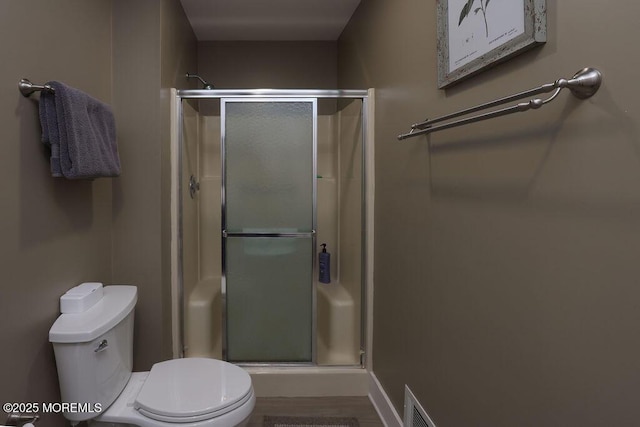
[[116, 303]]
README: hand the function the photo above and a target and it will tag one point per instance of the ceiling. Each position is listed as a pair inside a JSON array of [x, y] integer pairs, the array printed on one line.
[[268, 19]]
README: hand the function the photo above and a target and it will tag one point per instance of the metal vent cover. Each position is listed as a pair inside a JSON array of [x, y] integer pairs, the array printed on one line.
[[414, 413]]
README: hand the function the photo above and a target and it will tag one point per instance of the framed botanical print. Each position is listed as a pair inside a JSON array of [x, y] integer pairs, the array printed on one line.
[[474, 35]]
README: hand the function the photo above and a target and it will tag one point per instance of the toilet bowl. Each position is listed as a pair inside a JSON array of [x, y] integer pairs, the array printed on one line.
[[93, 348], [179, 393]]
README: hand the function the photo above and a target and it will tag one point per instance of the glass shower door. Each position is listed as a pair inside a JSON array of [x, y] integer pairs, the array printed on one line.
[[268, 222]]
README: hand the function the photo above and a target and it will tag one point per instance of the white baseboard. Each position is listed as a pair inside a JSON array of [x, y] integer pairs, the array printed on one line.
[[381, 402]]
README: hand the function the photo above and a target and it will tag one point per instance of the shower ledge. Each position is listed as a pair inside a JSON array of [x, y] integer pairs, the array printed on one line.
[[311, 381]]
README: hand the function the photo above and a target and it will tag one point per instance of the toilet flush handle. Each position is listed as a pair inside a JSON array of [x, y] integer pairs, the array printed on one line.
[[102, 346], [24, 419]]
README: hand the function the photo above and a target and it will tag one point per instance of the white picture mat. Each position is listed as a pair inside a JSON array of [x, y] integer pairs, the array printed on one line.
[[469, 40]]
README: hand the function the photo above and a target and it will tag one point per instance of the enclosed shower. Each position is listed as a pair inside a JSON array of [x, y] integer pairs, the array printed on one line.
[[263, 178]]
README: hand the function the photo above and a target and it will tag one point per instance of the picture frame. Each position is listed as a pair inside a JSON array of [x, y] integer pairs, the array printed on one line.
[[474, 35]]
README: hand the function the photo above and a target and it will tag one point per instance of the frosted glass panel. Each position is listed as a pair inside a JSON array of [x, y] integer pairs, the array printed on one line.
[[269, 166], [269, 299]]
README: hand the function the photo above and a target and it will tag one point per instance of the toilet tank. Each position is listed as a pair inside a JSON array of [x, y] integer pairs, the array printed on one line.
[[94, 352]]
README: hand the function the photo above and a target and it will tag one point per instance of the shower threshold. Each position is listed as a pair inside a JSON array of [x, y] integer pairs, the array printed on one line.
[[308, 381]]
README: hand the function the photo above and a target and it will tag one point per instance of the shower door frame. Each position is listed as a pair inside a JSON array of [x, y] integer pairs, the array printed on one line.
[[179, 187]]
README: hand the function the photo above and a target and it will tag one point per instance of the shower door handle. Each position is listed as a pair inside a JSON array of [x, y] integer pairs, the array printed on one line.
[[303, 234], [194, 186]]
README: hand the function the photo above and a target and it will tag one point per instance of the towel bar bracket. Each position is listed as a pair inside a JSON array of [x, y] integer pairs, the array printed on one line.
[[27, 88]]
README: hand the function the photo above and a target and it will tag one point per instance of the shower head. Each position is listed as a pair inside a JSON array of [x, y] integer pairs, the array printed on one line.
[[207, 86]]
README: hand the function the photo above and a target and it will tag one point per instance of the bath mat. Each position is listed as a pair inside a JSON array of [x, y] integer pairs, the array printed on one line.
[[309, 422]]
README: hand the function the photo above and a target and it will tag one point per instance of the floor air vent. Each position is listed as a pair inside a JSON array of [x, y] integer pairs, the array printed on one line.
[[414, 413]]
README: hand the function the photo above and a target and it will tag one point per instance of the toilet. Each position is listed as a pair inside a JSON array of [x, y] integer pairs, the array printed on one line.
[[93, 345]]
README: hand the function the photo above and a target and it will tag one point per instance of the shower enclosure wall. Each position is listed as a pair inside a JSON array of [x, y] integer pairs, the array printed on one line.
[[265, 177]]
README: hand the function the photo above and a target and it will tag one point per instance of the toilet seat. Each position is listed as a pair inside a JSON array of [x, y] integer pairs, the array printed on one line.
[[192, 389]]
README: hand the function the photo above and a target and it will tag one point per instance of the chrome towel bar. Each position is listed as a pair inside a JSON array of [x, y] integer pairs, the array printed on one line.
[[582, 85], [27, 88]]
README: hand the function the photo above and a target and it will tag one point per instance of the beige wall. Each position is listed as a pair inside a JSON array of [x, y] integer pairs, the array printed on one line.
[[281, 65], [506, 273], [136, 211], [153, 48], [269, 65], [55, 233], [179, 55], [58, 233]]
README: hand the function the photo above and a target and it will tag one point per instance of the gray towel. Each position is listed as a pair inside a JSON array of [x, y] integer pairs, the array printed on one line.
[[81, 132], [50, 135]]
